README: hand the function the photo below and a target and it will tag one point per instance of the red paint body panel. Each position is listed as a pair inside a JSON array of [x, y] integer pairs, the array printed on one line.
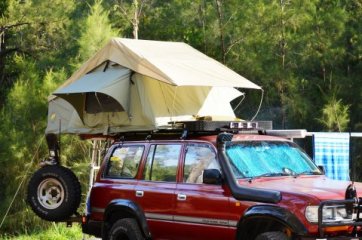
[[104, 192], [159, 198], [204, 201], [319, 187]]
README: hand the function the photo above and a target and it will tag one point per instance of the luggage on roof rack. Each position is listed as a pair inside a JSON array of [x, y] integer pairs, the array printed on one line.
[[215, 126]]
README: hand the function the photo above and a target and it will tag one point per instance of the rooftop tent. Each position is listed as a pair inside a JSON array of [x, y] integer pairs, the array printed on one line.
[[151, 103], [175, 63], [164, 102], [138, 84]]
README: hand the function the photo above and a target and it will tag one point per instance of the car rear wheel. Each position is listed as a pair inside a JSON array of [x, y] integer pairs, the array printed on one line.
[[125, 229], [272, 236], [54, 193]]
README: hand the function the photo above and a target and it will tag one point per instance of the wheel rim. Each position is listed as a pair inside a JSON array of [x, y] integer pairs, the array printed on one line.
[[50, 193]]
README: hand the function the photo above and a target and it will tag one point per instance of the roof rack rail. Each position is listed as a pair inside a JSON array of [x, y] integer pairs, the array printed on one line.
[[287, 133], [183, 129], [219, 126]]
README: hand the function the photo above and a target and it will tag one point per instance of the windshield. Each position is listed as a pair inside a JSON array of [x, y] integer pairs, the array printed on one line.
[[268, 158]]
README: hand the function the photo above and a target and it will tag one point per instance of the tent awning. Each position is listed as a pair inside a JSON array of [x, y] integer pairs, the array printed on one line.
[[99, 91]]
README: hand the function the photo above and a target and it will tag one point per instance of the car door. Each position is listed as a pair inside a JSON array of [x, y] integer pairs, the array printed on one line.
[[155, 192], [118, 179], [201, 210]]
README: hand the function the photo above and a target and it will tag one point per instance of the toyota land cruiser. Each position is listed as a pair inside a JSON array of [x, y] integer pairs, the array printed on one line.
[[211, 185]]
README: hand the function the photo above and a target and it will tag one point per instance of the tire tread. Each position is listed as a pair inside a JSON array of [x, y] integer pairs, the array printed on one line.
[[132, 229], [272, 236]]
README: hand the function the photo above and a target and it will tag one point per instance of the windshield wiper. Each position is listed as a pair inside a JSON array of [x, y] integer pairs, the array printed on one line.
[[268, 175], [308, 172]]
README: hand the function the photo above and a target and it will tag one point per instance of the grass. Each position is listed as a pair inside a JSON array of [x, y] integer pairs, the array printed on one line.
[[55, 232]]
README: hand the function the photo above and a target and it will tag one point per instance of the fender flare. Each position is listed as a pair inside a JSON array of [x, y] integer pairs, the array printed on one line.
[[276, 213], [131, 209]]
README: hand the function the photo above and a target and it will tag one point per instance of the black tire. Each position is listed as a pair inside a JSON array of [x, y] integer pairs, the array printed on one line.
[[54, 193], [125, 229], [272, 236]]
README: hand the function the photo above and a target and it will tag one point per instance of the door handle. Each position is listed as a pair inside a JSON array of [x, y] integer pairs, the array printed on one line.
[[181, 197], [139, 193]]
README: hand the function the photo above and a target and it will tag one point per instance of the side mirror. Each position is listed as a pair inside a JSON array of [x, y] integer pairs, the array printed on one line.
[[211, 176], [321, 168]]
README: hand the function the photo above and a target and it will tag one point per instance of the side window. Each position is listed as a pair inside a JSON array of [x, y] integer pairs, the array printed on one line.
[[162, 161], [198, 157], [124, 162]]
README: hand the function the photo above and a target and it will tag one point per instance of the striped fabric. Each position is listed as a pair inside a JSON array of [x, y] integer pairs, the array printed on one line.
[[331, 150]]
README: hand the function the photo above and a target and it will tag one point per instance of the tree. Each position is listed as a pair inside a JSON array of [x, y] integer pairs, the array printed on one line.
[[23, 122], [95, 31], [335, 116], [32, 68], [351, 82], [24, 31]]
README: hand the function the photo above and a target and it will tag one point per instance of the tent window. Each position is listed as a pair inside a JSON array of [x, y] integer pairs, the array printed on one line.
[[99, 102]]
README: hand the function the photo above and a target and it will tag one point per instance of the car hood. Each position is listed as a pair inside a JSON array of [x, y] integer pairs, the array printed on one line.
[[320, 187]]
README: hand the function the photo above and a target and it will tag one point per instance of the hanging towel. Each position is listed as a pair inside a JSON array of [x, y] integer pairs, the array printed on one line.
[[331, 150]]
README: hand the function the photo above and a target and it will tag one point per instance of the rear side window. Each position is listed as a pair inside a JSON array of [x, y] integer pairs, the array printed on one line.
[[162, 161], [198, 158], [124, 162]]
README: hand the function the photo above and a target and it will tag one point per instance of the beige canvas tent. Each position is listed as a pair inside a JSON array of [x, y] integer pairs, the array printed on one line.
[[132, 85]]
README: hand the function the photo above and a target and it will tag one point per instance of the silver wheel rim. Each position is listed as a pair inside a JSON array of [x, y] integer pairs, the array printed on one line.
[[50, 193]]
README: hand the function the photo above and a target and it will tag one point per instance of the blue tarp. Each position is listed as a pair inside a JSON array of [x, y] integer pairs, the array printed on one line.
[[331, 150]]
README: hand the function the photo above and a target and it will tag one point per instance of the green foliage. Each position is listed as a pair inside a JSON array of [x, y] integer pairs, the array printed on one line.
[[55, 232], [42, 29], [36, 29], [23, 122], [95, 31], [335, 115], [3, 7]]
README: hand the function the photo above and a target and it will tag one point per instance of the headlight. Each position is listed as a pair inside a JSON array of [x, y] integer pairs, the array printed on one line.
[[334, 213], [311, 213]]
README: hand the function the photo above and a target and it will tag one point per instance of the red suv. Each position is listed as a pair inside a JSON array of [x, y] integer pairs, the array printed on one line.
[[253, 187], [214, 186]]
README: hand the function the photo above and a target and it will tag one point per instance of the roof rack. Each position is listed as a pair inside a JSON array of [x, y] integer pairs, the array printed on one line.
[[219, 126], [184, 129]]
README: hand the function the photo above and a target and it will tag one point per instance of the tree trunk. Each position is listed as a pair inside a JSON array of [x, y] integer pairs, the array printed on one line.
[[282, 48], [135, 20], [221, 29]]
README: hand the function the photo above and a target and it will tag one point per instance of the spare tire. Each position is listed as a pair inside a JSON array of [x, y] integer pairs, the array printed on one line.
[[54, 193]]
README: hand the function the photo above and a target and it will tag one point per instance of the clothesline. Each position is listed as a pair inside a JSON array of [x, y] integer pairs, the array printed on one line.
[[352, 134]]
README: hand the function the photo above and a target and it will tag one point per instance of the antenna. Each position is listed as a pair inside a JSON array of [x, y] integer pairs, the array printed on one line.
[[59, 134], [351, 162]]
